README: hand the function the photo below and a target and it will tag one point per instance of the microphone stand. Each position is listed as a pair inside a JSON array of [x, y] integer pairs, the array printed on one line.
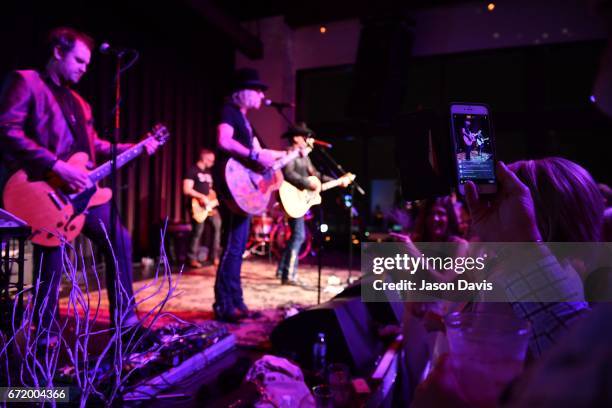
[[320, 248], [114, 135], [350, 210], [281, 112], [114, 138], [354, 186]]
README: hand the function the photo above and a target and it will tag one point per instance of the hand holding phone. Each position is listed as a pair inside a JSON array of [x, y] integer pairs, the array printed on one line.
[[473, 147], [510, 217]]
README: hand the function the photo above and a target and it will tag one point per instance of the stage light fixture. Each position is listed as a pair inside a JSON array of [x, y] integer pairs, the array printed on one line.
[[322, 29], [491, 6], [324, 228]]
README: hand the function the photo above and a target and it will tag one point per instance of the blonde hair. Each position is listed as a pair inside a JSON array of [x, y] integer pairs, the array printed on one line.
[[245, 98], [569, 206]]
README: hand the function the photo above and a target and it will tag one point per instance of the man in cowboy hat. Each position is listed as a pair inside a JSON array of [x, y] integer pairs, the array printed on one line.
[[236, 138], [297, 173]]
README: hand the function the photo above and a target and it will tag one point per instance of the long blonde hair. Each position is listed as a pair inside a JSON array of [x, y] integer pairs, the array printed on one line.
[[569, 206], [245, 98]]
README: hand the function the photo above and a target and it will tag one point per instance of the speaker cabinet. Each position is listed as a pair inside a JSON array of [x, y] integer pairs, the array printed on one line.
[[350, 333]]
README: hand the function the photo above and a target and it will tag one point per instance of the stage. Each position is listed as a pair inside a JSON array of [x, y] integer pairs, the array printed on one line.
[[263, 293]]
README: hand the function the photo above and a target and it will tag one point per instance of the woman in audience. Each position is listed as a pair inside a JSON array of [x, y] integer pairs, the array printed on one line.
[[463, 219], [436, 222], [567, 201], [551, 199]]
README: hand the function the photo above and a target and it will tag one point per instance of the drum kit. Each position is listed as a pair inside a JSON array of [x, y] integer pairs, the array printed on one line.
[[270, 233]]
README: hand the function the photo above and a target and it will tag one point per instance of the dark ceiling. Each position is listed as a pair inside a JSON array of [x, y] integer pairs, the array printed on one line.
[[302, 13]]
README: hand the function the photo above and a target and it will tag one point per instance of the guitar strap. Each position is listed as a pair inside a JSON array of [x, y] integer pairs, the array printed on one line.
[[249, 128]]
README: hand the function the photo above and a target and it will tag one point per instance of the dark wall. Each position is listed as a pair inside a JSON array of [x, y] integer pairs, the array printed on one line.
[[539, 98], [180, 80]]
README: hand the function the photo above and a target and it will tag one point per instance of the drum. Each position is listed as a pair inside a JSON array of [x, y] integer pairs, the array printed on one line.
[[261, 226], [281, 234]]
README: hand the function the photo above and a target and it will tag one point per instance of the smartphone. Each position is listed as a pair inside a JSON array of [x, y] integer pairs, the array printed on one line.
[[473, 146]]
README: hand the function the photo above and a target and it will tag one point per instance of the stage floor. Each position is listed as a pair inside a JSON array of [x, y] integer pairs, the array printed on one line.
[[263, 292]]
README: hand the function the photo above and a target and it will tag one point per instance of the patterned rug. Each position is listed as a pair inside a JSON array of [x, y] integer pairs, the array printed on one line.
[[194, 295]]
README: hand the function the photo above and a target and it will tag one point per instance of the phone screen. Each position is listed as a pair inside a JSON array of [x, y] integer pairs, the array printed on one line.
[[474, 150]]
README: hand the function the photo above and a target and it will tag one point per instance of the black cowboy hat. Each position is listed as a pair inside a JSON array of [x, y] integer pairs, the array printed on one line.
[[299, 129], [248, 78]]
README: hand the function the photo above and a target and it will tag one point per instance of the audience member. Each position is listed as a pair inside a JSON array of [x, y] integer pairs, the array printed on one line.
[[436, 222], [550, 199]]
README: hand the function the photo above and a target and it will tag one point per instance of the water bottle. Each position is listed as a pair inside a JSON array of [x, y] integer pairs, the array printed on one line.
[[319, 353]]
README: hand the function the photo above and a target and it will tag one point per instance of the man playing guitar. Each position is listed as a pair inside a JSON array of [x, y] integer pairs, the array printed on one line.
[[297, 173], [43, 122], [198, 187], [469, 138], [236, 139]]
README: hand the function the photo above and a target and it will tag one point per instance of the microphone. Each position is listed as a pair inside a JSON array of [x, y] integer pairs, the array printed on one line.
[[106, 48], [321, 143], [278, 105]]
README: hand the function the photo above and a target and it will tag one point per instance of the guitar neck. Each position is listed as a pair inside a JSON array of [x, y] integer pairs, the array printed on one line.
[[104, 170], [289, 157], [331, 184]]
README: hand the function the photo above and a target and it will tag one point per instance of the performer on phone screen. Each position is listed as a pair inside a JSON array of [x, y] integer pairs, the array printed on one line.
[[468, 138]]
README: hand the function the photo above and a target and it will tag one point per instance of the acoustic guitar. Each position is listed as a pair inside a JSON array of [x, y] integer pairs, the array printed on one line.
[[200, 210], [471, 137], [56, 213], [297, 202], [250, 188]]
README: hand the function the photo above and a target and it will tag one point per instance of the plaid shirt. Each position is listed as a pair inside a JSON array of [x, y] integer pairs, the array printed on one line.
[[529, 292]]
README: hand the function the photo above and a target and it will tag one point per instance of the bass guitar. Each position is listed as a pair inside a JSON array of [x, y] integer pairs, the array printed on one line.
[[200, 210], [56, 213], [251, 189], [297, 202]]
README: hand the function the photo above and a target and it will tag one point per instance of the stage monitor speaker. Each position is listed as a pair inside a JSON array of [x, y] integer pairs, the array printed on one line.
[[349, 330], [390, 312], [385, 47]]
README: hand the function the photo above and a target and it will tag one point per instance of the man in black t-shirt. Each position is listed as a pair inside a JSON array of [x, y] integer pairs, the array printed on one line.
[[235, 138], [198, 185]]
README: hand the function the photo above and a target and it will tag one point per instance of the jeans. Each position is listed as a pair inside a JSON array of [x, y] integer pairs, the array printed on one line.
[[197, 228], [50, 271], [287, 267], [228, 289], [468, 151]]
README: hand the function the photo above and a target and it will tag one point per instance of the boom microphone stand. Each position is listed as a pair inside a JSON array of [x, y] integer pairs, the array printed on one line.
[[354, 187], [281, 112], [114, 133]]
